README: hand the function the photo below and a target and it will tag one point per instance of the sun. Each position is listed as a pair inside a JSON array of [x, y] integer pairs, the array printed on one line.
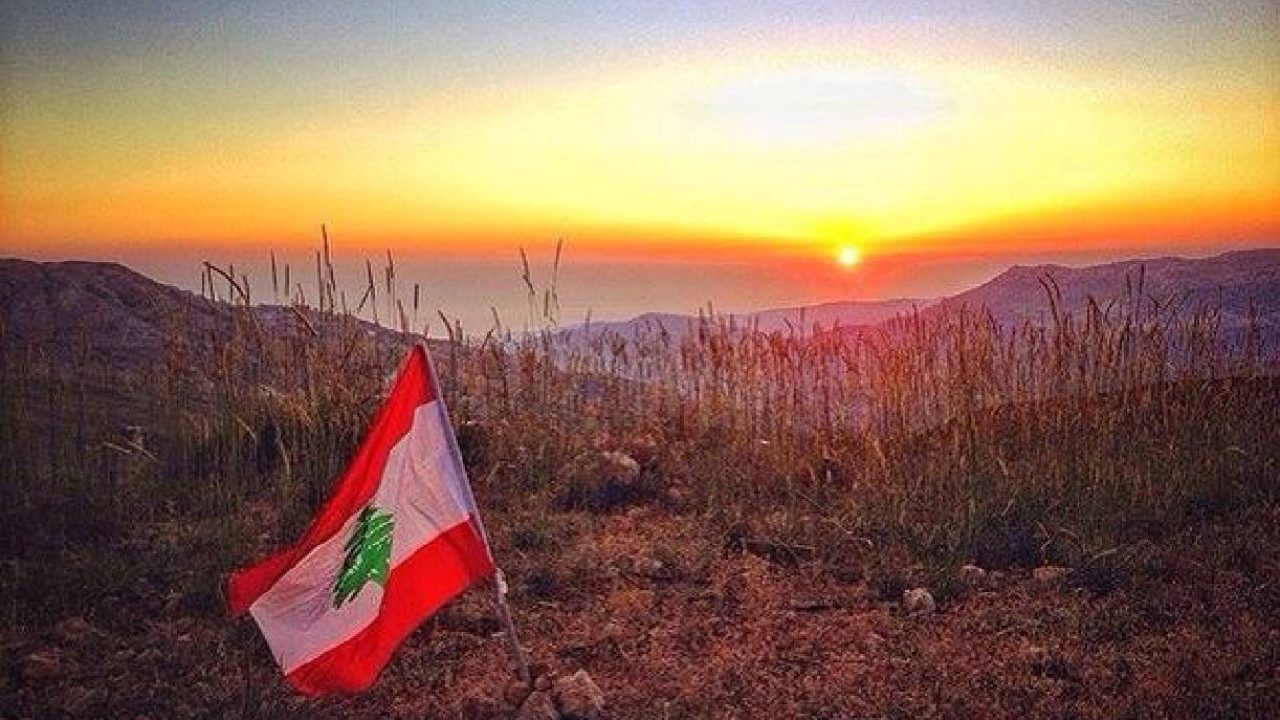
[[848, 256]]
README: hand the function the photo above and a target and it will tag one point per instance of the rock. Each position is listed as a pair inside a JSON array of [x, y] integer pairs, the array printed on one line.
[[1049, 577], [612, 632], [785, 554], [644, 449], [515, 693], [972, 576], [918, 601], [74, 630], [579, 651], [537, 668], [578, 697], [810, 604], [134, 434], [1032, 654], [77, 700], [735, 588], [483, 707], [677, 496], [41, 665], [621, 466], [638, 514], [872, 642], [538, 706]]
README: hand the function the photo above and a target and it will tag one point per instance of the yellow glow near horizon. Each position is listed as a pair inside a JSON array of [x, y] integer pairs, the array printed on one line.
[[761, 152], [974, 145]]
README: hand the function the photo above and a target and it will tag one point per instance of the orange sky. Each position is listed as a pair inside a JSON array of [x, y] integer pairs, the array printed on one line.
[[884, 134]]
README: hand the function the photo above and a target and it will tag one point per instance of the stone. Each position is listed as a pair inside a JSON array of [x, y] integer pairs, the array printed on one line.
[[78, 700], [918, 601], [621, 466], [1049, 577], [612, 632], [872, 642], [41, 665], [644, 449], [810, 604], [483, 707], [74, 630], [1032, 654], [134, 434], [543, 681], [538, 706], [972, 576], [579, 698], [677, 496], [515, 693]]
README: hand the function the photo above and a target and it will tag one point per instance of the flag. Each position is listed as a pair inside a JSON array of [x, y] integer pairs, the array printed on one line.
[[398, 537]]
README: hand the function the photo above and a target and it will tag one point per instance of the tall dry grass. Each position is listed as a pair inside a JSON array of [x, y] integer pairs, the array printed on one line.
[[939, 438], [943, 433]]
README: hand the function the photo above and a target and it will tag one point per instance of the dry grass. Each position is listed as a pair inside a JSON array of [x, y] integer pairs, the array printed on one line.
[[663, 503]]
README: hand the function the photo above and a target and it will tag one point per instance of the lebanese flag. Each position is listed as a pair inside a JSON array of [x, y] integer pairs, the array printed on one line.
[[398, 538]]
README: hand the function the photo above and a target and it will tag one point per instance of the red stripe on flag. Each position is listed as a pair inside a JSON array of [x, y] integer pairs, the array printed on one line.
[[355, 486], [415, 588]]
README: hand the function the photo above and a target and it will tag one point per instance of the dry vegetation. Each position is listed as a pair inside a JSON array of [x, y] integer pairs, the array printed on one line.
[[716, 523]]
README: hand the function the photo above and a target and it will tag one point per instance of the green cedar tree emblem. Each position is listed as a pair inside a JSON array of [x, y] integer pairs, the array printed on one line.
[[368, 554]]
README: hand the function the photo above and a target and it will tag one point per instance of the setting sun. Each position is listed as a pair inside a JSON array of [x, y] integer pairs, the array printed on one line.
[[848, 256]]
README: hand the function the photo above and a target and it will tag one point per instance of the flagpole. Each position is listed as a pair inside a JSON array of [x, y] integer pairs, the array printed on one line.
[[499, 579]]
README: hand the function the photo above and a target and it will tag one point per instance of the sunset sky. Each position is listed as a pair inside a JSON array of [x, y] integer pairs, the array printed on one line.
[[667, 130]]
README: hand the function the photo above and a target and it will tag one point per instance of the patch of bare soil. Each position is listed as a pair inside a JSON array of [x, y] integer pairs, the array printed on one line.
[[671, 624]]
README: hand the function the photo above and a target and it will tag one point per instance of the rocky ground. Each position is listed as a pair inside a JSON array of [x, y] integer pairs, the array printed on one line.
[[668, 622]]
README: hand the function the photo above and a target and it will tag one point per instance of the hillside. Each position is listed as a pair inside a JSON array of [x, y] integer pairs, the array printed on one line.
[[101, 311], [1230, 283], [112, 315], [848, 313], [125, 320], [110, 331]]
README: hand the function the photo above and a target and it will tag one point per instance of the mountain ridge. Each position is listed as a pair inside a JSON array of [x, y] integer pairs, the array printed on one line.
[[130, 316], [1232, 281]]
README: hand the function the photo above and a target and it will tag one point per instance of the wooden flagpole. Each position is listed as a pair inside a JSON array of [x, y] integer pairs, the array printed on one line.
[[518, 659], [504, 615]]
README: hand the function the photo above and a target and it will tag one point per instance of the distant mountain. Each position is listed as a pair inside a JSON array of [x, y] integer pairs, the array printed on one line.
[[104, 312], [1230, 283], [113, 317], [118, 318], [848, 313], [845, 314], [113, 327]]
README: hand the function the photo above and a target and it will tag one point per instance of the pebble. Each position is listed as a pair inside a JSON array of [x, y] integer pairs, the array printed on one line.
[[918, 601], [578, 697]]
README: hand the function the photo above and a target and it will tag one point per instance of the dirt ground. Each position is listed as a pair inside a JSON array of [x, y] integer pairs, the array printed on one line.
[[670, 624]]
